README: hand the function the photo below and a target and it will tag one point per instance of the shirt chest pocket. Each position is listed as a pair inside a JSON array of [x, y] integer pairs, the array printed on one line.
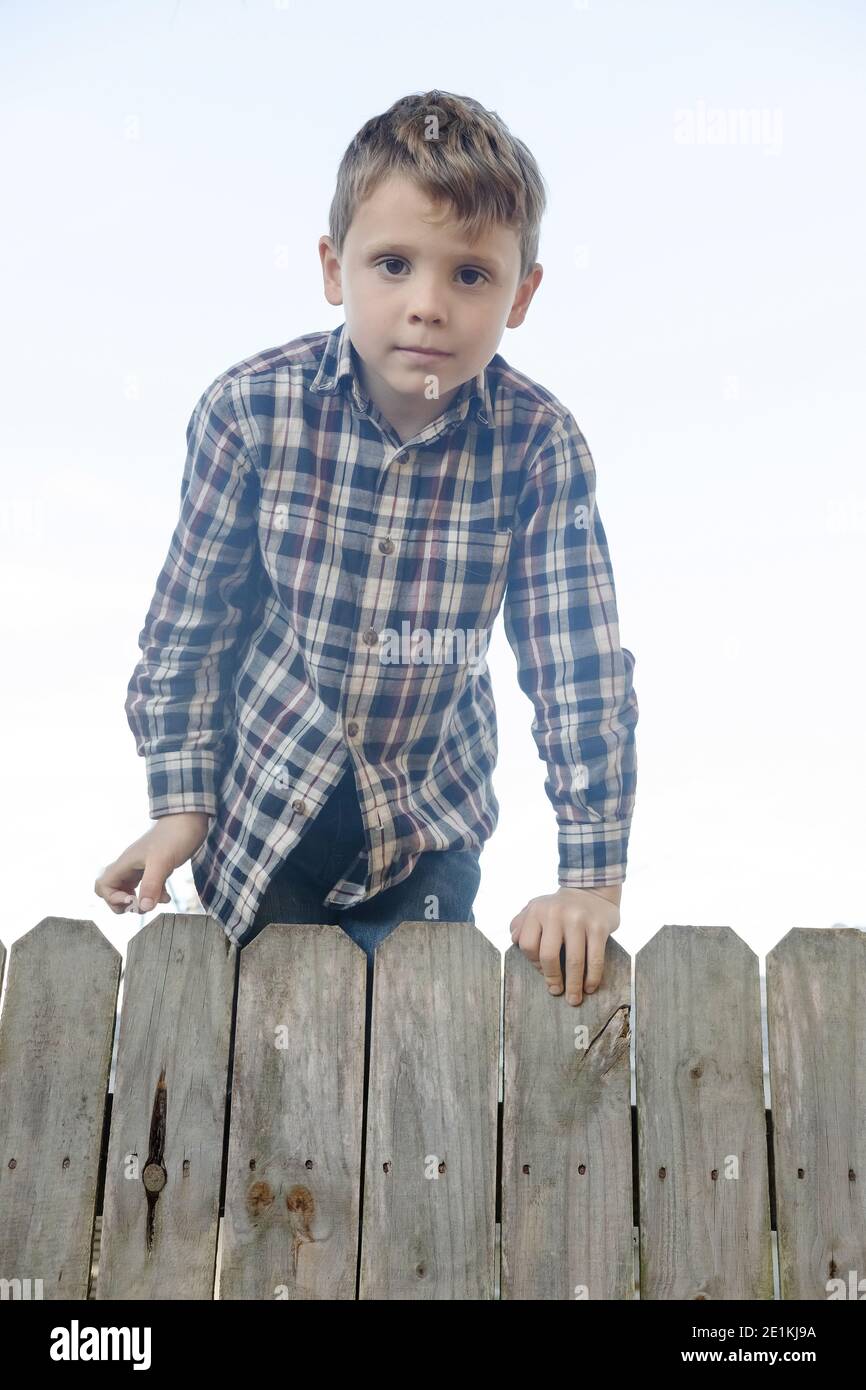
[[456, 578], [479, 555]]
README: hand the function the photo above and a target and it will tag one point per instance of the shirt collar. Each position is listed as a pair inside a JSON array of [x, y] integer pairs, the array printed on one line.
[[337, 365]]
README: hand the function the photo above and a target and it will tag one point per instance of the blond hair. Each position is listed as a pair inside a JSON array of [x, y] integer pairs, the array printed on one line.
[[456, 152]]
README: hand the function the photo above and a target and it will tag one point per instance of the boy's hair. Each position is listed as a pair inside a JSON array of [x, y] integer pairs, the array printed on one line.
[[466, 156]]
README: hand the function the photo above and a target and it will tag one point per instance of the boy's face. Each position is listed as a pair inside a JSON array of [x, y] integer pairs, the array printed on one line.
[[409, 279]]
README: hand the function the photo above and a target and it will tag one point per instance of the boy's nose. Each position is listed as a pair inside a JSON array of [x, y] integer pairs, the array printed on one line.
[[426, 305]]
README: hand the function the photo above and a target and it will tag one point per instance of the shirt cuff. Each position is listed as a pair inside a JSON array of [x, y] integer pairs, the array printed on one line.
[[181, 780], [593, 854]]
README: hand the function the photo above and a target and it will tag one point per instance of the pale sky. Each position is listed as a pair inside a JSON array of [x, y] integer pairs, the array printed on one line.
[[169, 168]]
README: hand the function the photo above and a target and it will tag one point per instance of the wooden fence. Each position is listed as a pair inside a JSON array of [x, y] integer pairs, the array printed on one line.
[[240, 1093]]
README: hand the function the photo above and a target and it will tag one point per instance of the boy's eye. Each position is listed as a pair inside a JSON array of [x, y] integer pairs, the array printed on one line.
[[470, 270]]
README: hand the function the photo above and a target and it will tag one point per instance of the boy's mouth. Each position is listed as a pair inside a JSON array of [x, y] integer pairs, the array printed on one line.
[[424, 352]]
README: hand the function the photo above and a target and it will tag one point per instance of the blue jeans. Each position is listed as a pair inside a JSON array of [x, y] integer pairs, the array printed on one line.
[[322, 856]]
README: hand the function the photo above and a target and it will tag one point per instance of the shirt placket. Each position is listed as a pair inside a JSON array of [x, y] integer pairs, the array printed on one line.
[[361, 681]]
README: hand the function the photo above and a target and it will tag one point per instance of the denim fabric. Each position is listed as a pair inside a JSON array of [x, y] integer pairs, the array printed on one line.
[[329, 846]]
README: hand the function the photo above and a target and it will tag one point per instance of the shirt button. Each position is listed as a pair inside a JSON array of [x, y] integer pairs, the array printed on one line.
[[299, 806], [387, 546], [351, 728], [371, 637]]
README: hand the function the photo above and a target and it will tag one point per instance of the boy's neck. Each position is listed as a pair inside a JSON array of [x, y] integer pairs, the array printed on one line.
[[406, 416]]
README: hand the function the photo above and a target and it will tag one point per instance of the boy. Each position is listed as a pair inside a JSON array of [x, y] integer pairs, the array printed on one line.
[[345, 496]]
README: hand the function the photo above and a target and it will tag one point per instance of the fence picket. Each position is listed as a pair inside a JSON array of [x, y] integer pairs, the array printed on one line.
[[430, 1176], [56, 1034], [816, 1022], [162, 1183], [702, 1139], [566, 1137], [294, 1165]]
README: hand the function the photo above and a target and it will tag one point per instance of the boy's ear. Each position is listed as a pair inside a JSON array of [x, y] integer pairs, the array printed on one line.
[[331, 272], [523, 298]]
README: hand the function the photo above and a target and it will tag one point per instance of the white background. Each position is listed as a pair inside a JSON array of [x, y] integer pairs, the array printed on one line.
[[168, 169]]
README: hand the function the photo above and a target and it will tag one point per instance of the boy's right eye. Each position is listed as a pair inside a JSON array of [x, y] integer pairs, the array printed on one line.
[[391, 260]]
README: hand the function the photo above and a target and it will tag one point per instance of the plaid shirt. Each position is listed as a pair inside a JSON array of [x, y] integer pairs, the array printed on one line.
[[327, 597]]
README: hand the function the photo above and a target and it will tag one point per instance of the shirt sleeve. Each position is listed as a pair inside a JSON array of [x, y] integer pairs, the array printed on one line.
[[561, 622], [176, 698]]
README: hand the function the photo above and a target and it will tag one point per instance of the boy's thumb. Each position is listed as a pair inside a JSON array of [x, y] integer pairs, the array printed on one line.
[[152, 886]]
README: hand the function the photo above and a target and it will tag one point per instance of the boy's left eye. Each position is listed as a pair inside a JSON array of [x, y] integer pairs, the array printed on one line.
[[470, 270]]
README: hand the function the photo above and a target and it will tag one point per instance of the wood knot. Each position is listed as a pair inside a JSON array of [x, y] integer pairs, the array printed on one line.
[[154, 1177], [300, 1200], [259, 1197]]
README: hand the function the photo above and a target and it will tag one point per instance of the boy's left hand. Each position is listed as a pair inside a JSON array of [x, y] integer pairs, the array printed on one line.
[[582, 919]]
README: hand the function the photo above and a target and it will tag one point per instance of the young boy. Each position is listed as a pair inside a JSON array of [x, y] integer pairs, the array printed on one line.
[[348, 498]]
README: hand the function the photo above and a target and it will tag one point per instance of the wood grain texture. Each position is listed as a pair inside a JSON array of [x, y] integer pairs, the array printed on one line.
[[55, 1049], [566, 1135], [162, 1182], [294, 1166], [430, 1174], [704, 1195], [816, 1024]]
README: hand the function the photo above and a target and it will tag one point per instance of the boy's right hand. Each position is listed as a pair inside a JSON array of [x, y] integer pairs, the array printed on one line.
[[150, 860]]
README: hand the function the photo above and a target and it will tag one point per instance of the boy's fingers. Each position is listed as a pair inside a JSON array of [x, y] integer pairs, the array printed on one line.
[[575, 961], [116, 897], [595, 960], [529, 939], [115, 882], [551, 948]]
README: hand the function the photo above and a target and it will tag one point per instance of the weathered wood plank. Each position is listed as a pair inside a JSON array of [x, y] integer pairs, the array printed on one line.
[[294, 1165], [430, 1173], [162, 1181], [55, 1049], [816, 1024], [704, 1194], [567, 1216]]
